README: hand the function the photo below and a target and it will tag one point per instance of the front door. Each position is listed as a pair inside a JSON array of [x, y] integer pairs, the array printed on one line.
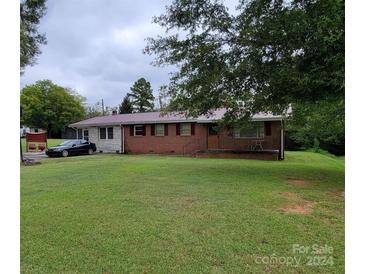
[[213, 136], [86, 134]]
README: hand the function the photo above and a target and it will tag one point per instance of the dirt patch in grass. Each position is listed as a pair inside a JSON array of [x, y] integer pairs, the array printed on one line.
[[289, 195], [298, 209], [298, 182], [296, 204]]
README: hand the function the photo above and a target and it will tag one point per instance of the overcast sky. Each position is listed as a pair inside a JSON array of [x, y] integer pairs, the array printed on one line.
[[95, 47]]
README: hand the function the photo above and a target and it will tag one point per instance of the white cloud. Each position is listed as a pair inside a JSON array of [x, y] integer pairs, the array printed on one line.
[[96, 47], [125, 37]]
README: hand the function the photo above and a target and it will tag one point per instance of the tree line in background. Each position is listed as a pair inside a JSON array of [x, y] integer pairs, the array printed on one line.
[[52, 107]]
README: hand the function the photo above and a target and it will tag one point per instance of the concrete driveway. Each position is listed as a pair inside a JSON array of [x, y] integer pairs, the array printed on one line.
[[35, 155]]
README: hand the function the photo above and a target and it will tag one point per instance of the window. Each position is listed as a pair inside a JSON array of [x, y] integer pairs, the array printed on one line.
[[79, 133], [213, 129], [76, 143], [102, 133], [253, 130], [86, 135], [110, 133], [138, 130], [160, 130], [185, 129], [67, 143]]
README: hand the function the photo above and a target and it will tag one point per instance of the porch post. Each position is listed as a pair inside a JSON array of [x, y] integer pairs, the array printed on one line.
[[282, 140]]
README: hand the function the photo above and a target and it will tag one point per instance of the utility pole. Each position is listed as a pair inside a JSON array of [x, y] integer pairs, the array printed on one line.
[[102, 105]]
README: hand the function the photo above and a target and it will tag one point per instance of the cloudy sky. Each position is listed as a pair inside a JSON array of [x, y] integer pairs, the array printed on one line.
[[95, 47]]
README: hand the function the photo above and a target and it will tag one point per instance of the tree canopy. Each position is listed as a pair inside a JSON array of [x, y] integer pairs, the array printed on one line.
[[141, 95], [31, 11], [265, 56], [49, 106], [125, 106], [93, 110], [163, 98], [323, 121]]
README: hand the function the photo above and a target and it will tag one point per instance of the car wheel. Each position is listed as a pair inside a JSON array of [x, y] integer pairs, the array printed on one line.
[[90, 151], [65, 153]]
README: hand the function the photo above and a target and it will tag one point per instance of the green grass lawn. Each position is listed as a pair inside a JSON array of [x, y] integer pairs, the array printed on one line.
[[154, 214], [50, 143]]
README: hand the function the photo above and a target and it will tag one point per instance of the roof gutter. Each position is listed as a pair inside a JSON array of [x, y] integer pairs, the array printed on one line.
[[253, 119], [76, 125]]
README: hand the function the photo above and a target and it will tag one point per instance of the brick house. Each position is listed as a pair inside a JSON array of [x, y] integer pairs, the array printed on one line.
[[153, 133]]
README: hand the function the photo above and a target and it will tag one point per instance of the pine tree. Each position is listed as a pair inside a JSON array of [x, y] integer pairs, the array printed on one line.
[[125, 106], [141, 96]]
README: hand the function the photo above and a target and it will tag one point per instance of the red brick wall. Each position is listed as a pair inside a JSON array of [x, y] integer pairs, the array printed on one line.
[[171, 144], [226, 140], [175, 144]]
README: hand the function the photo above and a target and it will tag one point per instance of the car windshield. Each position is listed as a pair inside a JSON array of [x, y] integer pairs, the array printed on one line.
[[68, 143]]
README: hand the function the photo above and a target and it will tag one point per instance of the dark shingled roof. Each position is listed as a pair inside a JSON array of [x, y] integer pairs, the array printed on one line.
[[157, 117]]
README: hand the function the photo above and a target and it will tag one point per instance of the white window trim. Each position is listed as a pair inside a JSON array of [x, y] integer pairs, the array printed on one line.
[[163, 133], [181, 125], [106, 133], [252, 138], [134, 130]]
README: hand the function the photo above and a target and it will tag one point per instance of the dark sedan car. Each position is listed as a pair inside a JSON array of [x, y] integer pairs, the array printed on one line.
[[72, 147]]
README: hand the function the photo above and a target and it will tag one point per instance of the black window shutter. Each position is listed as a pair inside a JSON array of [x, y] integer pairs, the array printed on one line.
[[177, 129], [144, 130], [192, 128], [152, 130], [131, 130], [267, 128], [166, 129]]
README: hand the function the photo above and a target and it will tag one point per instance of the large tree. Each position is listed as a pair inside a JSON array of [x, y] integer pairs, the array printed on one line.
[[94, 110], [125, 106], [263, 57], [50, 106], [163, 98], [321, 122], [141, 96], [31, 11]]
